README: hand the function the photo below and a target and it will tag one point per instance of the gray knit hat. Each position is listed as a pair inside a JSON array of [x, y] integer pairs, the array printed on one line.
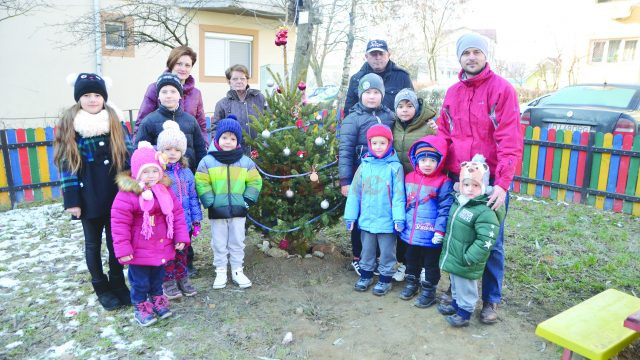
[[472, 40], [406, 94], [370, 81]]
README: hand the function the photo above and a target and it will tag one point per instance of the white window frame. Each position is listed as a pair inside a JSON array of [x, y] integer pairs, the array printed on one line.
[[123, 35], [619, 56], [228, 39]]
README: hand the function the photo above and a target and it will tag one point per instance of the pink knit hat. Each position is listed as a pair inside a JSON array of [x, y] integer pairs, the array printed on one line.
[[144, 157]]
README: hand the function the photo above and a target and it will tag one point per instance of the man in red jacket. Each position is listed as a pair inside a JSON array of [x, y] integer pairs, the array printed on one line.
[[480, 114]]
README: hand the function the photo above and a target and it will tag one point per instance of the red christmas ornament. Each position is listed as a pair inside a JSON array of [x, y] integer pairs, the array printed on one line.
[[278, 90], [284, 244], [302, 86], [302, 153], [254, 154], [299, 123]]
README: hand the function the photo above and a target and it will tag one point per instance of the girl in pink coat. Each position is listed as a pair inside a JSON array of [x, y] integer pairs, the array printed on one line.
[[148, 226]]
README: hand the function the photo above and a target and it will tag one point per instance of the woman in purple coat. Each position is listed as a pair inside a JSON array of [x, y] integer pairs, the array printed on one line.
[[180, 62]]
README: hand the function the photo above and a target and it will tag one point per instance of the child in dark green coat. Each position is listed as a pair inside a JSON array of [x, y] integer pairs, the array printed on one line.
[[472, 230]]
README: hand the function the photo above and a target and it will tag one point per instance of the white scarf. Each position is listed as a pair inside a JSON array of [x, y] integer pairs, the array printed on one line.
[[90, 125]]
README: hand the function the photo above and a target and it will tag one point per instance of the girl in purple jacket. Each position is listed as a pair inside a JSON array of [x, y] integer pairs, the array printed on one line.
[[147, 223], [173, 144]]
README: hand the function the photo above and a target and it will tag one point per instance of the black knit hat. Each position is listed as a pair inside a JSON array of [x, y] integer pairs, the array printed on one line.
[[228, 124], [89, 83], [168, 79]]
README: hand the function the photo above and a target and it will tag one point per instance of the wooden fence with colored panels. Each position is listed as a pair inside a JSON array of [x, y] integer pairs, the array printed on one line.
[[27, 170], [598, 169]]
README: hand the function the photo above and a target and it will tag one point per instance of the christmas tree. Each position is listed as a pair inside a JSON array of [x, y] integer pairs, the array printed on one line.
[[296, 153]]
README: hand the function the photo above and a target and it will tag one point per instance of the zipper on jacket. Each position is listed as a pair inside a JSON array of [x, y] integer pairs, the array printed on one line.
[[229, 188], [449, 233], [175, 172], [415, 212]]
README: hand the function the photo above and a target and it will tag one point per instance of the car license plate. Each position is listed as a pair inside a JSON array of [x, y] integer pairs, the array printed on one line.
[[571, 127]]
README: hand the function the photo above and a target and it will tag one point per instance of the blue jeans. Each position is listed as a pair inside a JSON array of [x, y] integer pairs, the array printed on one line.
[[145, 282], [494, 270]]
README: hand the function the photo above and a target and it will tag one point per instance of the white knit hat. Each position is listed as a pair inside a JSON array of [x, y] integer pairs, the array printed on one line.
[[171, 136]]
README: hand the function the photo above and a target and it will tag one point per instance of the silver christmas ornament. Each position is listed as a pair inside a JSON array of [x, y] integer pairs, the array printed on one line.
[[319, 141], [289, 193], [266, 133], [286, 151], [270, 83], [324, 204]]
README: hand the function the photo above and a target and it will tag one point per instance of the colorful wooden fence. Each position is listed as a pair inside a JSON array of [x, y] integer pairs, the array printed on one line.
[[27, 171], [593, 168]]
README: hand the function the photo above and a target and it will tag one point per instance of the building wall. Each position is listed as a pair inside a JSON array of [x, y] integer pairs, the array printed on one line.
[[34, 68]]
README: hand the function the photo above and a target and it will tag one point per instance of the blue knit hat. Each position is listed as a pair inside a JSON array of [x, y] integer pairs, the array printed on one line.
[[228, 124], [168, 79], [425, 149]]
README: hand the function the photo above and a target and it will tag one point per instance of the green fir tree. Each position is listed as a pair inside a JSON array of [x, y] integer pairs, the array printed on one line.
[[296, 151]]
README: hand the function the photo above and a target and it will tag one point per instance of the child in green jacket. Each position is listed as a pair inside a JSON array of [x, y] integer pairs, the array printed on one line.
[[227, 182], [472, 230]]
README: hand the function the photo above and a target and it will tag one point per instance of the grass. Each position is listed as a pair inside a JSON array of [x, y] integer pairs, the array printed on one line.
[[559, 254]]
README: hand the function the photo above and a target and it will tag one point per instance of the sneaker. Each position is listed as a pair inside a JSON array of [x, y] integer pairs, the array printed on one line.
[[446, 309], [161, 306], [363, 284], [170, 289], [456, 320], [240, 279], [355, 264], [400, 273], [489, 314], [143, 313], [221, 278], [186, 287], [382, 288]]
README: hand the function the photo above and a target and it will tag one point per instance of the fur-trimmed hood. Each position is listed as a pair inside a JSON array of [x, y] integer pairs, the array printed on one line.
[[127, 183]]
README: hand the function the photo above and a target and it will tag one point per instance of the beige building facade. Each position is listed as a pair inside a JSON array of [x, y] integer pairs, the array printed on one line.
[[35, 66]]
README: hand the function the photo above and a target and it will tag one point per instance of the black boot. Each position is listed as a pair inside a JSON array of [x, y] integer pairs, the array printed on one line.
[[410, 287], [106, 298], [427, 296], [119, 289]]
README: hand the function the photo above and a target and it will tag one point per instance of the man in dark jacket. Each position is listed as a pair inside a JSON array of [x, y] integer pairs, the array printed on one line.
[[395, 78]]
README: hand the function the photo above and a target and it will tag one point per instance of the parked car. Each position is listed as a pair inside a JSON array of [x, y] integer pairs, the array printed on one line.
[[328, 93], [535, 102], [607, 108]]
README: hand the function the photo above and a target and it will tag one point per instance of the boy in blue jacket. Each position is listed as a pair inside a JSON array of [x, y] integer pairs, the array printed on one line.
[[376, 201]]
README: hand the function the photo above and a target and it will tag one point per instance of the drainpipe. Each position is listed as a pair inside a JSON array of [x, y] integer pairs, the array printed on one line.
[[98, 36]]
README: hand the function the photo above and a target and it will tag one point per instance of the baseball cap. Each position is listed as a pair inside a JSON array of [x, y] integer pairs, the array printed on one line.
[[377, 45]]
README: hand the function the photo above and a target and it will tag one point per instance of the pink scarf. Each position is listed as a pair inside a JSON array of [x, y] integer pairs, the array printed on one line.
[[146, 200]]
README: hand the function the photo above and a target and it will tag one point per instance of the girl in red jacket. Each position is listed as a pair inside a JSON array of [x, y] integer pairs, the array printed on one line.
[[148, 226]]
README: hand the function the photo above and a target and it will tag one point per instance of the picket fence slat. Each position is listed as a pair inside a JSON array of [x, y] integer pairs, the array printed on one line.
[[595, 168], [542, 153], [53, 169], [564, 165], [526, 159], [581, 171], [623, 173], [613, 172], [604, 167], [533, 161], [548, 167], [43, 167], [573, 165]]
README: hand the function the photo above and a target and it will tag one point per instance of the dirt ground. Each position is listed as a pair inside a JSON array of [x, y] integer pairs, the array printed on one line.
[[314, 299]]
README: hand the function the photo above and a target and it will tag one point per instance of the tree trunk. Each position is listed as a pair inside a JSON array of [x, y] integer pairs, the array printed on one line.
[[346, 65], [303, 47]]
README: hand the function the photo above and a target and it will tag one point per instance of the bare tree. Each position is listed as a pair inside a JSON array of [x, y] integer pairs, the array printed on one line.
[[304, 44], [549, 71], [12, 8], [157, 22], [346, 64], [433, 17], [328, 35]]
